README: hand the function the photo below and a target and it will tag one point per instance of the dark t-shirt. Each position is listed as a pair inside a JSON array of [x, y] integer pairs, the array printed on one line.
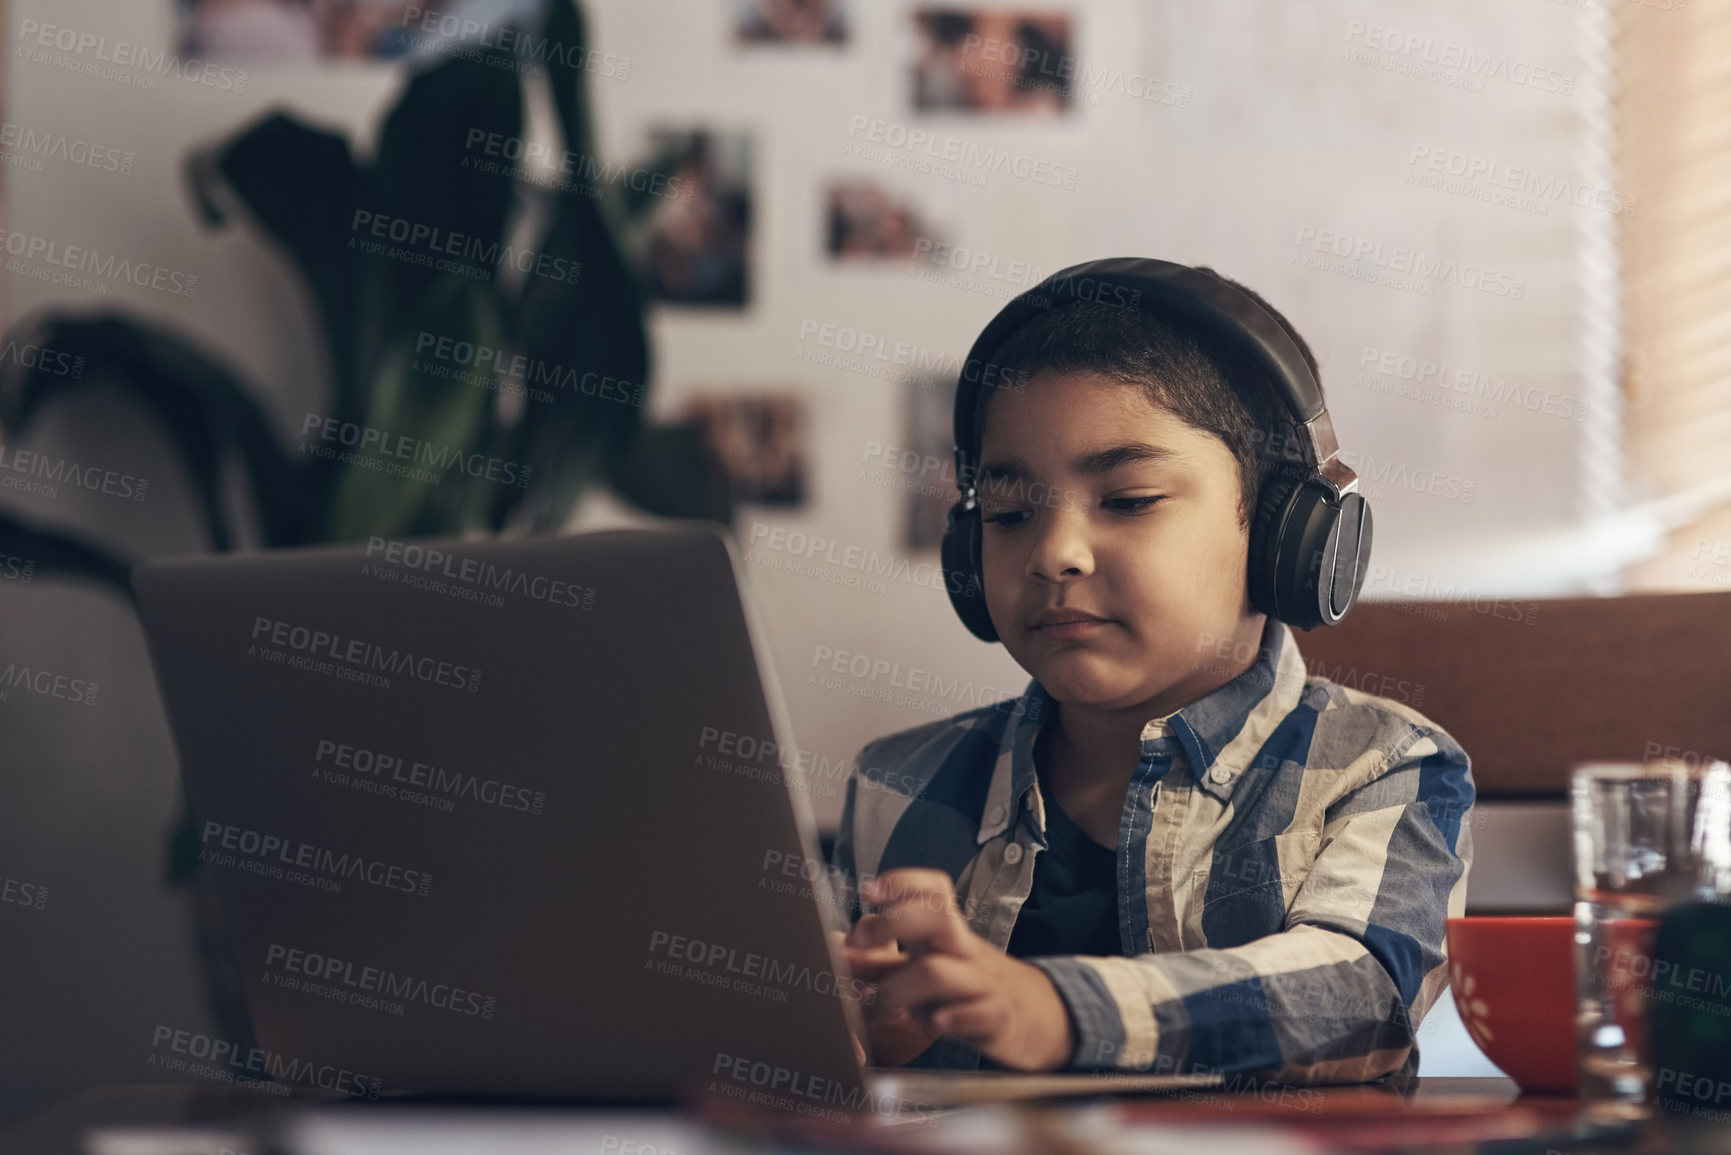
[[1073, 907]]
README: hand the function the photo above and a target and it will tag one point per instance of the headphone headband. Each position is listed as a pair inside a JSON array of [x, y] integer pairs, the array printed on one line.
[[1203, 297]]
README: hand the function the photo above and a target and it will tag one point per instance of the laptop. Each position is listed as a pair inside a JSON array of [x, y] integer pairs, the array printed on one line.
[[511, 817]]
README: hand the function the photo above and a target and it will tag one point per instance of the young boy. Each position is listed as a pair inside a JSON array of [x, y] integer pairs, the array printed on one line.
[[1175, 851]]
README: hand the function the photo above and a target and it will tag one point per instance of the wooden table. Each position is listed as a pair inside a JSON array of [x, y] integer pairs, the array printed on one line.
[[1427, 1114]]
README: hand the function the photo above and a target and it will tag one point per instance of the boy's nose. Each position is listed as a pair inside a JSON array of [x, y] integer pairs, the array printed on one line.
[[1061, 549]]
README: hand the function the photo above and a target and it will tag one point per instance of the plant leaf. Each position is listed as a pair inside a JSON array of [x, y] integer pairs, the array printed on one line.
[[434, 188], [433, 422], [566, 32], [588, 336], [450, 206], [301, 188], [202, 406]]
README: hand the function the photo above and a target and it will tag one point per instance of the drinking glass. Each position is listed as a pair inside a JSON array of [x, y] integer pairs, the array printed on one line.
[[1647, 835]]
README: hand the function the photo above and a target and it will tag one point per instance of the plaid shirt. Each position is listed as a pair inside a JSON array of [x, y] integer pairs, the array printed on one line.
[[1288, 850]]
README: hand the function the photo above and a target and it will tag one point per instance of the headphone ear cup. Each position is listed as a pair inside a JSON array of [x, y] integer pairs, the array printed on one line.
[[1308, 558], [1263, 577], [1304, 561], [1321, 555], [960, 557], [1351, 557]]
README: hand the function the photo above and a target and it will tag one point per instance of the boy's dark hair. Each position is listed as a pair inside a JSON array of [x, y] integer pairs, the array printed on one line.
[[1202, 378]]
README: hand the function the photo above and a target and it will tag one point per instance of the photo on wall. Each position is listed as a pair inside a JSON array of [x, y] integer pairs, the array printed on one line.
[[868, 219], [928, 444], [790, 22], [992, 61], [694, 249], [266, 33], [760, 440]]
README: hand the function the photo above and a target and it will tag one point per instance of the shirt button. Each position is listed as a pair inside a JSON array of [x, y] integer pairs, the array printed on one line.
[[1220, 775], [1013, 853], [997, 814]]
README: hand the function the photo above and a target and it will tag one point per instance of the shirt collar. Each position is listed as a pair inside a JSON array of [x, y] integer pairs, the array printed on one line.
[[1219, 733]]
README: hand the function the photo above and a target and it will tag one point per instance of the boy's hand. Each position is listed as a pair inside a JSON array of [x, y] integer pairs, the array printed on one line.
[[896, 1036], [935, 976]]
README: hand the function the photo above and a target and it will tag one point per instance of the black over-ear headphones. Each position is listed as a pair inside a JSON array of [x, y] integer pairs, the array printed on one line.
[[1310, 536]]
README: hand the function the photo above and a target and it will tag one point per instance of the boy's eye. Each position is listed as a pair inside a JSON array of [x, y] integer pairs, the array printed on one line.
[[1131, 505]]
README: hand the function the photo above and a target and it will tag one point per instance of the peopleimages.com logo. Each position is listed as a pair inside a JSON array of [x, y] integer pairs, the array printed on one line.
[[806, 1094], [399, 453], [274, 856], [448, 251], [395, 775], [119, 61], [27, 148], [335, 976], [47, 683], [360, 655], [434, 562], [63, 264], [21, 893], [229, 1062], [470, 39]]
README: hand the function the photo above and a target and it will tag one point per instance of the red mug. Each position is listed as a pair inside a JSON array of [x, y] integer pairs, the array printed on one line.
[[1514, 986]]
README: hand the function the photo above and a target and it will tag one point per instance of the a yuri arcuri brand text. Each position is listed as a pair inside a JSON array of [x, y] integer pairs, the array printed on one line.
[[121, 61], [30, 471], [346, 978], [949, 155], [406, 454], [1400, 266], [800, 1093], [226, 844], [449, 251], [238, 1063], [528, 50], [920, 689], [26, 147], [718, 960], [799, 547], [1447, 61], [85, 268], [360, 655], [1468, 386], [478, 364], [1514, 186], [381, 771], [435, 562], [503, 151]]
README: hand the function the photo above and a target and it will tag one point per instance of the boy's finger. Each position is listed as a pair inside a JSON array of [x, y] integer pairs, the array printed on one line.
[[911, 884], [872, 930], [974, 1020], [918, 930], [928, 983], [869, 966]]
